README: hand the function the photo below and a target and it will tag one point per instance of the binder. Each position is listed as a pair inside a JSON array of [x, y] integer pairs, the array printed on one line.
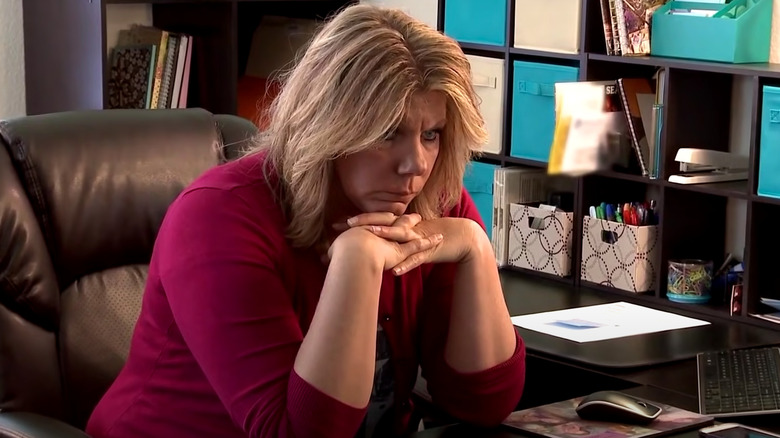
[[512, 185]]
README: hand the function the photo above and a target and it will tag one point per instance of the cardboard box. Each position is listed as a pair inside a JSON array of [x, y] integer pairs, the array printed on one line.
[[540, 239], [619, 255], [487, 77], [549, 25]]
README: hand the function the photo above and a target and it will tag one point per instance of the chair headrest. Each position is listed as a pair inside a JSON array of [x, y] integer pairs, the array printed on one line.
[[100, 182]]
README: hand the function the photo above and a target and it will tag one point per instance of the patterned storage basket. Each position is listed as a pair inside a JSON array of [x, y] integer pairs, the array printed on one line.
[[540, 239], [619, 255]]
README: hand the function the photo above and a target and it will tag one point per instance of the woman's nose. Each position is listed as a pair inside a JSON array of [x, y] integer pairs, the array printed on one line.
[[412, 160]]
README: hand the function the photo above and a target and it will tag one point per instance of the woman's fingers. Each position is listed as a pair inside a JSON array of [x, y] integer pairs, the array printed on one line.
[[379, 218], [396, 234], [401, 231], [385, 219], [416, 253], [408, 220]]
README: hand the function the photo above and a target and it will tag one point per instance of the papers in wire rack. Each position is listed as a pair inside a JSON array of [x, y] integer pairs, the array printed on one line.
[[512, 185], [604, 321]]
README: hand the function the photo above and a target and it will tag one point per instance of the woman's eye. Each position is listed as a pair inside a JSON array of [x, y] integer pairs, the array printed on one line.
[[430, 135]]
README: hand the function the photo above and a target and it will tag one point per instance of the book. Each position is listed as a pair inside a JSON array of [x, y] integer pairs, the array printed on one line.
[[635, 25], [130, 76], [620, 19], [589, 128], [606, 23], [181, 57], [615, 28], [168, 72], [560, 420], [185, 81], [629, 88], [139, 34]]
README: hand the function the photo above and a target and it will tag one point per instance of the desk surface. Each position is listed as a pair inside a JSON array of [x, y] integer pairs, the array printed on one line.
[[525, 294], [766, 422], [657, 366], [463, 431]]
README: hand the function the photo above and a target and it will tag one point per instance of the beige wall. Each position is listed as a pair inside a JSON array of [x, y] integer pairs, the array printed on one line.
[[120, 17], [12, 55]]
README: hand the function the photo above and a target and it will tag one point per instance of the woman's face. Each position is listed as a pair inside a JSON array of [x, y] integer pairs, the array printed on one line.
[[387, 178]]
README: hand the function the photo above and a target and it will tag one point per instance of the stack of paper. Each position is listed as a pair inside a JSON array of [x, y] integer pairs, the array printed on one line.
[[604, 321], [512, 185]]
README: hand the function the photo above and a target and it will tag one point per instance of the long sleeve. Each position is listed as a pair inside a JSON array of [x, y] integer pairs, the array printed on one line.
[[220, 269], [485, 397]]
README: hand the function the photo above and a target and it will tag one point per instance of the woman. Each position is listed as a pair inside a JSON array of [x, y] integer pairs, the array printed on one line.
[[295, 292]]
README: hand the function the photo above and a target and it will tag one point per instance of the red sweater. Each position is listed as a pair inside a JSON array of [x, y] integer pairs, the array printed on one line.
[[226, 306]]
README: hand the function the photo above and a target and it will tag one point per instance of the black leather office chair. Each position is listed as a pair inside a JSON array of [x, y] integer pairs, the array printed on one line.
[[82, 195]]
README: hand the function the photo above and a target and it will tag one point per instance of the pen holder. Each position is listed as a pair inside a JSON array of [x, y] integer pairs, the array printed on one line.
[[619, 255], [689, 281]]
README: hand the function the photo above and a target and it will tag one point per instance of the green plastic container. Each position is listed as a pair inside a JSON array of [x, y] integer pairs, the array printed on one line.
[[739, 32]]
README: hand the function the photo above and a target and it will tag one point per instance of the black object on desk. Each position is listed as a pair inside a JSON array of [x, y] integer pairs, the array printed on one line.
[[617, 406], [739, 382]]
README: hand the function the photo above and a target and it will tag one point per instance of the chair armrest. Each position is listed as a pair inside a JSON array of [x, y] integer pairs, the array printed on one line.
[[30, 425]]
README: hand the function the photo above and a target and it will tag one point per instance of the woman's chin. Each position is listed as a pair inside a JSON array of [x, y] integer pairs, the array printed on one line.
[[397, 208]]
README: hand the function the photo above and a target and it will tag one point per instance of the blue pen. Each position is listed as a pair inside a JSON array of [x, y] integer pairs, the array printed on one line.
[[610, 211]]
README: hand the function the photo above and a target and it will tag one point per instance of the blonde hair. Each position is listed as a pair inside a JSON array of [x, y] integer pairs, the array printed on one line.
[[353, 84]]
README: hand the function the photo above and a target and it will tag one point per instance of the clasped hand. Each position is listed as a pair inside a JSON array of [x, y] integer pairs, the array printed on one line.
[[406, 242]]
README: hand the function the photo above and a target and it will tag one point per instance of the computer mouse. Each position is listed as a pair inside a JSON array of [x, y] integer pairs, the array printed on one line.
[[617, 407]]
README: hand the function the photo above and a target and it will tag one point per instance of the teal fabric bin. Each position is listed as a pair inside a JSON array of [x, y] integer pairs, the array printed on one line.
[[476, 21], [533, 107], [478, 181], [739, 32], [769, 152]]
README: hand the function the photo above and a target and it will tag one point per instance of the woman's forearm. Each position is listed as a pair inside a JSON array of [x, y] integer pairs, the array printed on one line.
[[338, 352], [481, 334]]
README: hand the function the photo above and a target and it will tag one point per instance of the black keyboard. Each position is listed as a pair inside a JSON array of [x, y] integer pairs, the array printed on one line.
[[739, 382]]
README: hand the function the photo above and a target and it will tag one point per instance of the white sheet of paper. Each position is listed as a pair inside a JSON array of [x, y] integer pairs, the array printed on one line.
[[604, 321]]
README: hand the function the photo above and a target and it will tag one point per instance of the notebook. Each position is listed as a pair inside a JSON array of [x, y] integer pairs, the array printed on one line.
[[559, 420]]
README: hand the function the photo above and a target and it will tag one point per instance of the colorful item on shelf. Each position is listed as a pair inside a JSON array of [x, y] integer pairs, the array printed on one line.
[[689, 281]]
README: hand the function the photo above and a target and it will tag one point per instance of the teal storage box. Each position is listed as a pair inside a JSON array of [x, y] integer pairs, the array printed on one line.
[[478, 181], [533, 107], [738, 32], [476, 21], [769, 145]]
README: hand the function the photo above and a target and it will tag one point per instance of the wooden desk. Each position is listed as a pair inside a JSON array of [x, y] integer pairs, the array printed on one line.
[[657, 366]]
